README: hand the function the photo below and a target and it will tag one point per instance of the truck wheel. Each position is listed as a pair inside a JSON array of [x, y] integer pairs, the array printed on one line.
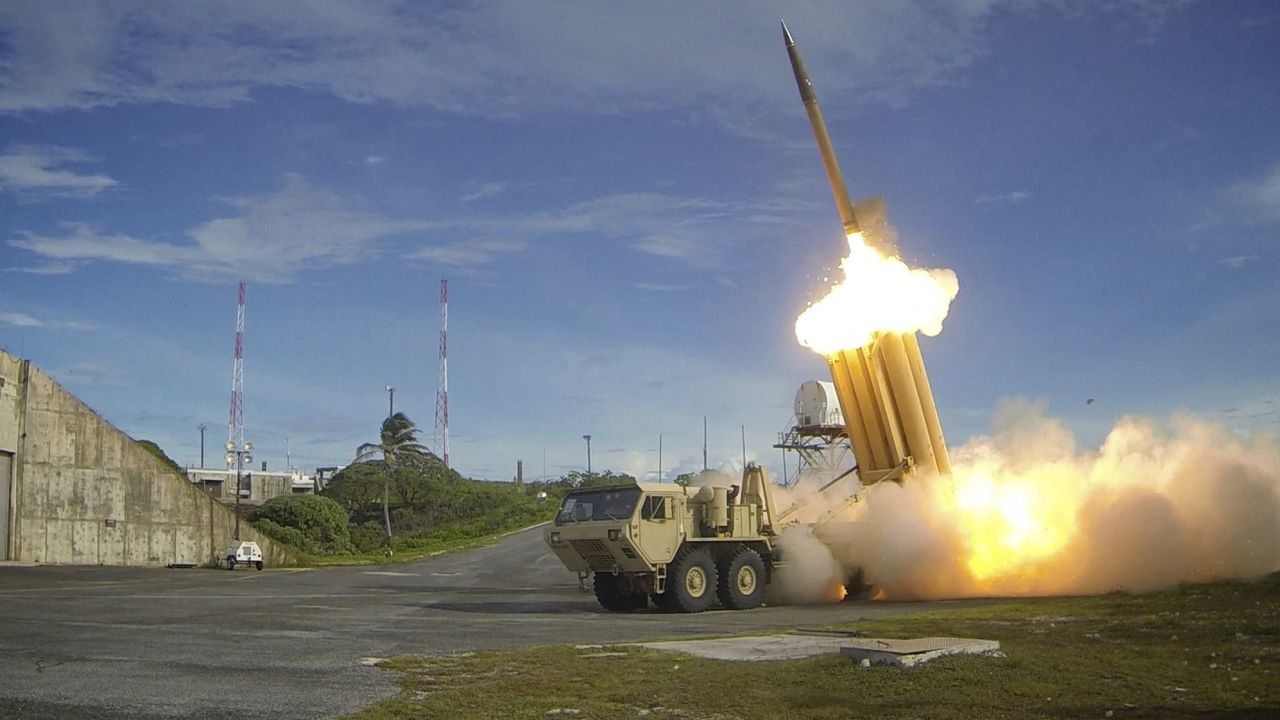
[[613, 596], [231, 562], [258, 565], [742, 580], [691, 581]]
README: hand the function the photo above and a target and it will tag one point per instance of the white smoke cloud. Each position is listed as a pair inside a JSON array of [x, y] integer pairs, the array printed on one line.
[[1161, 502]]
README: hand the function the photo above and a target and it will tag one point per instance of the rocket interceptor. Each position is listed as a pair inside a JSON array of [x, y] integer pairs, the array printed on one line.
[[882, 387], [829, 162]]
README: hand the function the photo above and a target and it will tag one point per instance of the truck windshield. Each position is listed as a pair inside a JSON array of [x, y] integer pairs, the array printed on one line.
[[598, 505]]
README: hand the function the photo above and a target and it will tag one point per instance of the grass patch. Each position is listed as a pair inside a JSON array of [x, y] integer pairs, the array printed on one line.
[[421, 548], [1196, 651]]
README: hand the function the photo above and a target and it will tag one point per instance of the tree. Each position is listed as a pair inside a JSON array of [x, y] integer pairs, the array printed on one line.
[[398, 444], [309, 522], [356, 486]]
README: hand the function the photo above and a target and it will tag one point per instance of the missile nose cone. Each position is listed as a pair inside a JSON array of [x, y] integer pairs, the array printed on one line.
[[786, 35]]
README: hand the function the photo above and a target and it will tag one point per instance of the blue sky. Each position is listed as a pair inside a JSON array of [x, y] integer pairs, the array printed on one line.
[[630, 211]]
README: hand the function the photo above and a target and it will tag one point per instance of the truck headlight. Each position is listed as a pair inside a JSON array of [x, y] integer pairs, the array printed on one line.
[[614, 534], [555, 538]]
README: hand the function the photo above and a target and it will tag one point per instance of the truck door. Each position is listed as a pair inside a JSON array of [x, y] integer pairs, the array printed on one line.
[[659, 529]]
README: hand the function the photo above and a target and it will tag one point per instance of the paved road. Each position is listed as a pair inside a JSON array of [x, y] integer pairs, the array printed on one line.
[[109, 643]]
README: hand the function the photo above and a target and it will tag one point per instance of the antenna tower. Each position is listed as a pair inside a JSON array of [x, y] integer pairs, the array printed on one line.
[[235, 427], [442, 388]]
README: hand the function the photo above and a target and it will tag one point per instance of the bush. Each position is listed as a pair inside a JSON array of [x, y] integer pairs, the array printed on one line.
[[309, 522]]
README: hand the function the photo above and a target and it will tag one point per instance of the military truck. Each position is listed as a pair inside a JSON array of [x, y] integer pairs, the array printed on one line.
[[683, 548]]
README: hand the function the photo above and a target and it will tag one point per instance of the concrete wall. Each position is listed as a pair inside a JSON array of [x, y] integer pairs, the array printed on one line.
[[84, 493]]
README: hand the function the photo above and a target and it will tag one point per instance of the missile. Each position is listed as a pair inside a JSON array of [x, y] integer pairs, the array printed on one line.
[[810, 98], [883, 388]]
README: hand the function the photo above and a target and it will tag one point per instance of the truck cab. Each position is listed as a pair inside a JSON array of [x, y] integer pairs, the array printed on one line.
[[682, 547]]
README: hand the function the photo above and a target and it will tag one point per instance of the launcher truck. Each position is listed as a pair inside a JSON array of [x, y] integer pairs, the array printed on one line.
[[683, 547], [686, 548]]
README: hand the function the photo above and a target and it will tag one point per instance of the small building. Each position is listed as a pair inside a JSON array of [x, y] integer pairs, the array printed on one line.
[[256, 486]]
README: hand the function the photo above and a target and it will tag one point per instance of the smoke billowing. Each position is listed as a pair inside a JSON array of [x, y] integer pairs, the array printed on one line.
[[1026, 513]]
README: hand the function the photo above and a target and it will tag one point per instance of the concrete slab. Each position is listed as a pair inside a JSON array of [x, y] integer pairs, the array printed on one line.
[[792, 646], [909, 653], [761, 647]]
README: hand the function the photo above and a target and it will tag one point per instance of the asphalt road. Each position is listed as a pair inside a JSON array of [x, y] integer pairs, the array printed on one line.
[[91, 642]]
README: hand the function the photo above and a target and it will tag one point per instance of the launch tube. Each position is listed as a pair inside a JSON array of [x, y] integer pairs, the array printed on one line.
[[883, 388]]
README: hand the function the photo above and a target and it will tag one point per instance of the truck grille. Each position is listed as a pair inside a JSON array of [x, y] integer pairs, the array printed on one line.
[[595, 553]]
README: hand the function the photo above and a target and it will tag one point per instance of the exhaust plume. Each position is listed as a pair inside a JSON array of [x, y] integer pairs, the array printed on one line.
[[1025, 513]]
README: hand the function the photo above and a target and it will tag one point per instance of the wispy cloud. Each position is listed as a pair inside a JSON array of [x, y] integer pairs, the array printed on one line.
[[467, 252], [270, 239], [1259, 197], [46, 268], [485, 190], [17, 319], [23, 320], [486, 58], [1009, 198], [1238, 261], [666, 246], [37, 172], [688, 229]]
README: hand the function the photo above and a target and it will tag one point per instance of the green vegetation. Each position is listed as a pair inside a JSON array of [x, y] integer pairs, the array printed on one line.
[[409, 507], [1197, 651], [313, 524], [155, 450], [399, 448]]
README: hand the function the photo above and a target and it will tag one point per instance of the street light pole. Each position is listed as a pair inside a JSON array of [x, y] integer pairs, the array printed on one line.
[[391, 401], [588, 439], [202, 427], [240, 456]]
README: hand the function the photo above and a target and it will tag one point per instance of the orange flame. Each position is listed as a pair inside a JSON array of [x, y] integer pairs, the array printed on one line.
[[879, 293]]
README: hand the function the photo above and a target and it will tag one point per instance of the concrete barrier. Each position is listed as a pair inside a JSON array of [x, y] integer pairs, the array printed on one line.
[[81, 492]]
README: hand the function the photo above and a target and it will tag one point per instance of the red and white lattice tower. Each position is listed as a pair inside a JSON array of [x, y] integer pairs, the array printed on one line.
[[442, 389], [235, 428]]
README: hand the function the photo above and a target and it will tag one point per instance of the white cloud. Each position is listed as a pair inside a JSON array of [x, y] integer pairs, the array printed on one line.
[[1259, 197], [271, 239], [465, 253], [692, 230], [17, 319], [374, 160], [489, 58], [485, 190], [1238, 261], [1010, 198], [666, 246], [36, 172], [47, 268]]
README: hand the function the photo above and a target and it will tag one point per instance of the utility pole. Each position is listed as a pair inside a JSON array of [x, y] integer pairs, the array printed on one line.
[[704, 442], [659, 457], [391, 401], [442, 385], [202, 427], [235, 426], [588, 439]]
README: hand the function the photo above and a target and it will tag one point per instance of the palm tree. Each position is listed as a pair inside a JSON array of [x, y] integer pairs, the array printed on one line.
[[398, 444]]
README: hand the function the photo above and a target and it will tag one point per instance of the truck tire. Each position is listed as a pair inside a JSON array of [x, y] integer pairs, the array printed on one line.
[[691, 581], [613, 595], [258, 564], [742, 579]]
